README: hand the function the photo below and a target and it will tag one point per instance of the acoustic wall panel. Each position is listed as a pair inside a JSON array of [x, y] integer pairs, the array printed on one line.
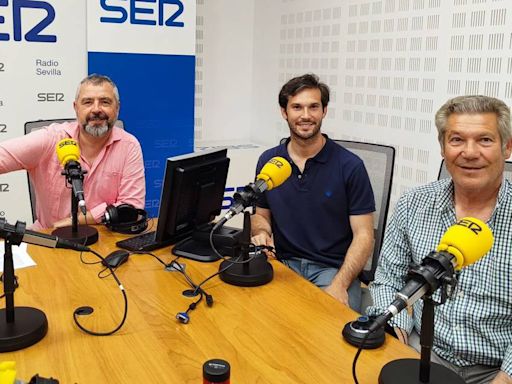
[[390, 65]]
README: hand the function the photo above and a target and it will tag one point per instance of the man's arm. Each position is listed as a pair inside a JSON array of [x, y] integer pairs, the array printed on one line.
[[502, 378], [394, 259], [25, 152], [67, 222], [261, 227], [505, 375], [356, 257]]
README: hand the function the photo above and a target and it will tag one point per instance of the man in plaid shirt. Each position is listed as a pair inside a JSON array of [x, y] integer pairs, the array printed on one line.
[[473, 329]]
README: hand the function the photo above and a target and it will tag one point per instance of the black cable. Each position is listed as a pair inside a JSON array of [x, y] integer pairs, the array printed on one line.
[[150, 226], [218, 273], [230, 261], [86, 310], [361, 346], [150, 254], [193, 305], [212, 245], [87, 262], [178, 268]]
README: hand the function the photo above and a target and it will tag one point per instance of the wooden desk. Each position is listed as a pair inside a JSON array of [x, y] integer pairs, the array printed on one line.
[[287, 331]]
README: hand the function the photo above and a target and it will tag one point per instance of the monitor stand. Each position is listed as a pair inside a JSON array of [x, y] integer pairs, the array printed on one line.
[[197, 246]]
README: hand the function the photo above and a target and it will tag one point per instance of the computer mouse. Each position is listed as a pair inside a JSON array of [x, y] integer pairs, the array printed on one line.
[[116, 258]]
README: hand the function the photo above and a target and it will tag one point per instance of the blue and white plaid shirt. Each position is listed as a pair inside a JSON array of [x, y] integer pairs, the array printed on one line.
[[474, 326]]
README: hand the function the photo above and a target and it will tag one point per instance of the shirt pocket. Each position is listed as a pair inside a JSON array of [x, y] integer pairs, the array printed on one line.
[[106, 187]]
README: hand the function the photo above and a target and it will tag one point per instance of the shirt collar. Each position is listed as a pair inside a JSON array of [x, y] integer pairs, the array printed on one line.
[[445, 196], [320, 157]]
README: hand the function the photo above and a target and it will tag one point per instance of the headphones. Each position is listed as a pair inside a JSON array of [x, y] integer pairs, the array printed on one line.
[[125, 218]]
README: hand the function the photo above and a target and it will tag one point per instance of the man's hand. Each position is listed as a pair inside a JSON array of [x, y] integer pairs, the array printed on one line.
[[264, 238], [66, 222], [502, 378], [338, 292]]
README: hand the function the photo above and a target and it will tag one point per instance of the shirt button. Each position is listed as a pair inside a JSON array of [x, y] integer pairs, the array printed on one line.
[[300, 176]]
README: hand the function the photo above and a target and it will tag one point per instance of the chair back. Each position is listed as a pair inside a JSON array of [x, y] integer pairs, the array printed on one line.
[[443, 172], [32, 126], [379, 161]]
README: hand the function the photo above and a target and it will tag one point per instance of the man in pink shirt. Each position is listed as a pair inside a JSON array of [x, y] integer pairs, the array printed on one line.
[[111, 156]]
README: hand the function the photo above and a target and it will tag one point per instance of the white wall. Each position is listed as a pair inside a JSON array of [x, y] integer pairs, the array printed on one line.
[[390, 65], [38, 81], [224, 66]]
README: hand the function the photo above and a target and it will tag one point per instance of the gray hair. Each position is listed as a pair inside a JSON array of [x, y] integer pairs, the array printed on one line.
[[475, 104], [96, 79]]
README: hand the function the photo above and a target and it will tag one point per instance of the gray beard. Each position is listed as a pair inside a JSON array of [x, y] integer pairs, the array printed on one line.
[[96, 131]]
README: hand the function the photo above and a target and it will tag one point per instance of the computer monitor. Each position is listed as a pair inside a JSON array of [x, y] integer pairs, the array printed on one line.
[[192, 194]]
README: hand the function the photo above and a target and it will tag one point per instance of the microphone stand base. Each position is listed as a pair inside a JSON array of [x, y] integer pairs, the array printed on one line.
[[407, 371], [84, 234], [256, 272], [30, 325]]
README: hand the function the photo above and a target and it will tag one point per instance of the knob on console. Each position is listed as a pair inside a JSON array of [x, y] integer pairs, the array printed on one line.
[[355, 331]]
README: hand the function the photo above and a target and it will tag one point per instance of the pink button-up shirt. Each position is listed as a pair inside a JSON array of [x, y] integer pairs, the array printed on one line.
[[115, 177]]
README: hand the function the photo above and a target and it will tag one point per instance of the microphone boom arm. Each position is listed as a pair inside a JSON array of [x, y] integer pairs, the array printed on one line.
[[437, 269]]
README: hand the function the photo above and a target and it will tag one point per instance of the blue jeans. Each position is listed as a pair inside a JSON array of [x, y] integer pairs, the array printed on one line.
[[321, 275]]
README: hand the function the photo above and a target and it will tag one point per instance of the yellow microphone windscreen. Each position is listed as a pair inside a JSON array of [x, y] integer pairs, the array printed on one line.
[[275, 172], [67, 150], [468, 240]]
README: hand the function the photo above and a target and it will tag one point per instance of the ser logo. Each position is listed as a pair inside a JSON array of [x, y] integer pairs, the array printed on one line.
[[50, 96], [31, 32], [471, 225], [166, 12]]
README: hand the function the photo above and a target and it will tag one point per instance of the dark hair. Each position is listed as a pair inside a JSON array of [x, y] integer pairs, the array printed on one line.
[[297, 84], [97, 79]]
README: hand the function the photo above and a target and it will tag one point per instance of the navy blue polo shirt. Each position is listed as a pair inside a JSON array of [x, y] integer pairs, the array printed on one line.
[[310, 210]]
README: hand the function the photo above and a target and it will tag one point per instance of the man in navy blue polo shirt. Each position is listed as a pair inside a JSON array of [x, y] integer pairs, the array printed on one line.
[[320, 221]]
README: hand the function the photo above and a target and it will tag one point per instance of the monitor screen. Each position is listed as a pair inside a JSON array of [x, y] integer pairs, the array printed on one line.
[[192, 193]]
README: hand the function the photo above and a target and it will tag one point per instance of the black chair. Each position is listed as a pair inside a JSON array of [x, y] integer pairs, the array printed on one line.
[[32, 126], [443, 172], [379, 161]]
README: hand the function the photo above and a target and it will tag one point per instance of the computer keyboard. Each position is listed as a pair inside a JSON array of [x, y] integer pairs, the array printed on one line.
[[144, 242]]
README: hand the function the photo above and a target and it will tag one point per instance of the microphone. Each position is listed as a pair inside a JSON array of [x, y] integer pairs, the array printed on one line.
[[273, 174], [68, 154], [463, 244], [36, 238]]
